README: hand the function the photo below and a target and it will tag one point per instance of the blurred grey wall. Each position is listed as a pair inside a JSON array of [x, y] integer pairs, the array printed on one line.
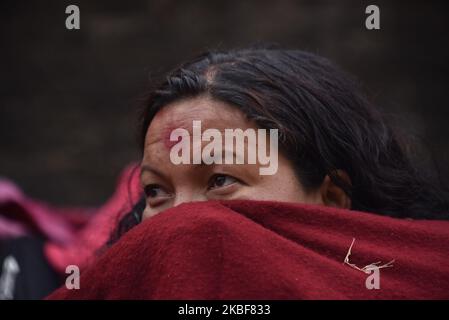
[[68, 98]]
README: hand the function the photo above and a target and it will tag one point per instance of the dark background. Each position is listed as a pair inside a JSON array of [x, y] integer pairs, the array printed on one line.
[[68, 98]]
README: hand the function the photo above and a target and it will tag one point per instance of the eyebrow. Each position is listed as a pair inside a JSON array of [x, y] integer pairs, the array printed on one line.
[[154, 171], [224, 152]]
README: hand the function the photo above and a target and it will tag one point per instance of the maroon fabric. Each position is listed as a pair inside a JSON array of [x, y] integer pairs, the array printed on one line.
[[269, 250]]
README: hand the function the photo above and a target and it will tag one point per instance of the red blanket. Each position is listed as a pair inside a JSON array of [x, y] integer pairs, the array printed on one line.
[[270, 250]]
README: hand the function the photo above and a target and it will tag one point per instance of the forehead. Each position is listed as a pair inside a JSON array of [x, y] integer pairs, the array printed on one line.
[[181, 114]]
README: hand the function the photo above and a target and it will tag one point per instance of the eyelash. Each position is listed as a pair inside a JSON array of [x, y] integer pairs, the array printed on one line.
[[150, 188], [215, 176]]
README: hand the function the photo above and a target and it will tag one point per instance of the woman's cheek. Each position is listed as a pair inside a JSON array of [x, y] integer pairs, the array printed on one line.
[[150, 212], [146, 212]]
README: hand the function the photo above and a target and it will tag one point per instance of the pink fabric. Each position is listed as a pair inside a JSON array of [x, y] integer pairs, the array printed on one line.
[[94, 235], [73, 235], [20, 215]]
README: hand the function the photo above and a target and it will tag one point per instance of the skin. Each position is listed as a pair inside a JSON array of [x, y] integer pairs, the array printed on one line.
[[167, 185]]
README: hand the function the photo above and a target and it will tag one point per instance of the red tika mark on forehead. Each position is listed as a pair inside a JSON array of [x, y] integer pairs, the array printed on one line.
[[166, 137]]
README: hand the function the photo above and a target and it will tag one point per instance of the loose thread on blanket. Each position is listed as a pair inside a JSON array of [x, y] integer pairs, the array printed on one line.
[[369, 267]]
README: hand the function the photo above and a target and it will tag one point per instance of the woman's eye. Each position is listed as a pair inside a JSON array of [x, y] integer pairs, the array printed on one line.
[[153, 191], [220, 181]]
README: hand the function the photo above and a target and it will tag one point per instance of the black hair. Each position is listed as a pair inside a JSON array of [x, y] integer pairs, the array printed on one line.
[[325, 122]]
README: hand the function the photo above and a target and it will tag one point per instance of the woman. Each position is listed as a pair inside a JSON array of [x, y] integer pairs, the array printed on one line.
[[285, 235], [335, 147]]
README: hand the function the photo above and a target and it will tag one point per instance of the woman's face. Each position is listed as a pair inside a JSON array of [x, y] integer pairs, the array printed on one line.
[[167, 184]]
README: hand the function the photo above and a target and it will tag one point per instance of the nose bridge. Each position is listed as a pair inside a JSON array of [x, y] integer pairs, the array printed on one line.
[[185, 195]]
